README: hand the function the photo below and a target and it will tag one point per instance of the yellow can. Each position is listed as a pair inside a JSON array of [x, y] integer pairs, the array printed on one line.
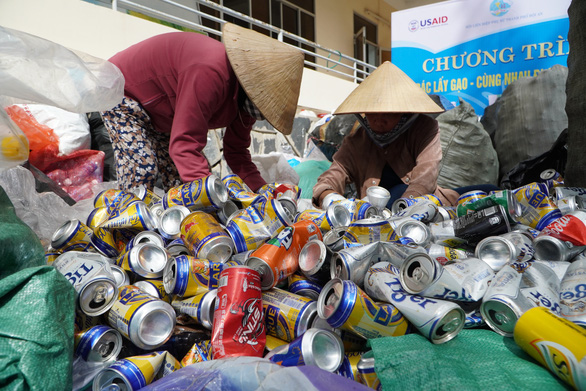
[[556, 343]]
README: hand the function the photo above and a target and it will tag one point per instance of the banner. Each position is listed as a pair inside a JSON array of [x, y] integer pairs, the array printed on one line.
[[473, 49]]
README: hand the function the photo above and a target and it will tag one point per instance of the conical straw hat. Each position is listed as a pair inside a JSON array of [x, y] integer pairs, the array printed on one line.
[[268, 70], [388, 90]]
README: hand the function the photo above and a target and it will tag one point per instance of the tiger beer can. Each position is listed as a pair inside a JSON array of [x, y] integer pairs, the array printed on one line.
[[509, 247], [135, 216], [573, 292], [97, 216], [367, 231], [444, 254], [502, 303], [170, 221], [73, 235], [302, 286], [352, 263], [98, 344], [438, 320], [548, 248], [554, 342], [186, 276], [92, 279], [254, 225], [205, 194], [566, 191], [423, 210], [314, 261], [130, 373], [146, 321], [396, 253], [278, 258], [206, 238], [287, 315], [238, 327], [366, 371], [344, 305], [568, 204], [559, 267], [155, 288], [200, 307], [466, 280], [315, 347], [103, 240], [148, 196], [334, 238], [416, 230], [144, 259]]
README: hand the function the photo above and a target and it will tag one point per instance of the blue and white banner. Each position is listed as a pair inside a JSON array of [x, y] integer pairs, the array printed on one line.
[[474, 49]]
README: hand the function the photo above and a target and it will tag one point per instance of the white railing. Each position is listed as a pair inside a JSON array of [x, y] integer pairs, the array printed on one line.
[[351, 68]]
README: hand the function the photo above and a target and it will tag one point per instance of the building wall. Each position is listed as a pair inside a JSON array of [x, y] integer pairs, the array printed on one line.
[[102, 32]]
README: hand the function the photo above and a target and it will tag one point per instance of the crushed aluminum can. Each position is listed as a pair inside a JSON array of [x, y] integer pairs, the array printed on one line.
[[569, 228], [98, 344], [344, 305], [471, 196], [278, 258], [366, 231], [335, 215], [131, 373], [149, 197], [199, 352], [155, 288], [97, 216], [315, 261], [206, 238], [157, 210], [504, 198], [238, 327], [366, 371], [396, 253], [73, 235], [404, 202], [465, 280], [500, 250], [334, 238], [555, 343], [412, 229], [170, 221], [145, 237], [176, 248], [143, 319], [187, 276], [348, 367], [437, 320], [565, 191], [134, 216], [205, 194], [352, 263], [225, 212], [424, 210], [200, 307], [287, 315], [378, 197], [548, 248], [351, 341], [104, 242], [92, 279], [316, 347], [301, 285], [537, 210], [573, 292], [444, 254], [113, 199], [120, 276], [569, 204], [145, 259], [331, 198]]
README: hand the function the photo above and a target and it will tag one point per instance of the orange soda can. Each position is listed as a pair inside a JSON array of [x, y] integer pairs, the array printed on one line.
[[556, 343], [278, 258]]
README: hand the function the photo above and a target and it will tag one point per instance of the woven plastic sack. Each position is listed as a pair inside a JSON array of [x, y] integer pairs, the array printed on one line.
[[468, 155], [37, 307], [474, 360]]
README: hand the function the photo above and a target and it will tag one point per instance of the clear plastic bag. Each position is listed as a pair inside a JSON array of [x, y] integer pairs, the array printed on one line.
[[14, 146]]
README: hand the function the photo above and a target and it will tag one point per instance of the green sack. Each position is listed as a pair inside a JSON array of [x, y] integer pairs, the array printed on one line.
[[474, 360], [309, 171], [37, 307], [20, 247]]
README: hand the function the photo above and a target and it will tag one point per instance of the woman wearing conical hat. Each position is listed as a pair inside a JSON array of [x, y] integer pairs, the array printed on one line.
[[179, 85], [397, 146]]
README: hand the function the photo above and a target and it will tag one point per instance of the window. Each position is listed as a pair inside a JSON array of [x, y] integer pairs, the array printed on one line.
[[366, 42]]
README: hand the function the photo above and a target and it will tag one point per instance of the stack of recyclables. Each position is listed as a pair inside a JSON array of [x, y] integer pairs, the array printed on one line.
[[148, 268]]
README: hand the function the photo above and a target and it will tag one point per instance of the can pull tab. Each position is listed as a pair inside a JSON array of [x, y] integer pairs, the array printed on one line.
[[100, 294], [502, 318], [111, 387], [419, 274]]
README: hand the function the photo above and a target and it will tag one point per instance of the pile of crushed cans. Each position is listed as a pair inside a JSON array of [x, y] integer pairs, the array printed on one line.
[[212, 270]]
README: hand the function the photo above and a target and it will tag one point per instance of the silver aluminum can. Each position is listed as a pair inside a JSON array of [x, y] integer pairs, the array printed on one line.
[[352, 342], [444, 254], [502, 303], [541, 286], [156, 211], [365, 368], [438, 320], [155, 288], [199, 307], [401, 203], [353, 262], [143, 319], [445, 213], [316, 347], [225, 212], [170, 221], [334, 238], [567, 204], [337, 216], [71, 236], [573, 292], [559, 267], [497, 251], [287, 315], [466, 280], [330, 198], [549, 248], [176, 248], [98, 344], [92, 279], [145, 259], [565, 191], [378, 197], [397, 253], [289, 207], [242, 257], [315, 261], [415, 230], [120, 276], [145, 237], [423, 210], [443, 233]]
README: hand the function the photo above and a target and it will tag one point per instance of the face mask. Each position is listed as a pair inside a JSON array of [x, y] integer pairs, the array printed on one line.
[[384, 139]]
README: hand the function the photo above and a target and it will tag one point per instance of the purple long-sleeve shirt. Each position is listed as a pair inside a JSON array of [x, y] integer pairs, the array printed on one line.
[[186, 84]]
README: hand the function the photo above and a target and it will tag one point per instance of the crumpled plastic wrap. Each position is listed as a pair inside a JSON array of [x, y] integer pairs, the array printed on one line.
[[251, 373], [35, 69]]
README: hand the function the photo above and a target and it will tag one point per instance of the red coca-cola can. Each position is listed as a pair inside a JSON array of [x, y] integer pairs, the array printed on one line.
[[239, 327], [568, 228]]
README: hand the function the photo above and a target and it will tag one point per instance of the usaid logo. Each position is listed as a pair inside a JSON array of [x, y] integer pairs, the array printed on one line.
[[500, 7], [415, 25]]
